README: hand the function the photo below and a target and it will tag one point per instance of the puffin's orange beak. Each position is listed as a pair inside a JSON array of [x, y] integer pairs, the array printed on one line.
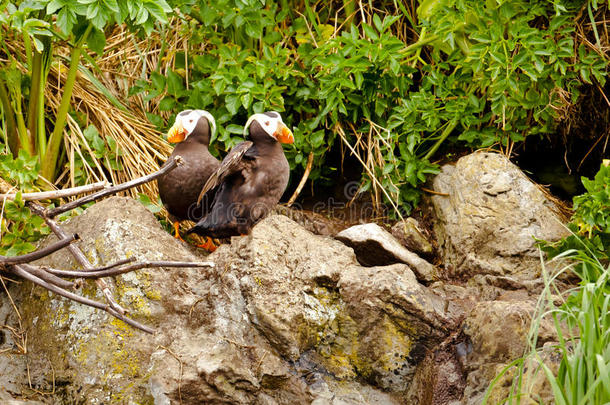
[[176, 133], [284, 135]]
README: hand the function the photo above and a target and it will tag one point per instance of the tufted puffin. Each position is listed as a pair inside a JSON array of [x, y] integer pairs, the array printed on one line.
[[251, 179], [180, 187]]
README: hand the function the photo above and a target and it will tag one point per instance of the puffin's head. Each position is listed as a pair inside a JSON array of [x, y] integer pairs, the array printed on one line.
[[190, 122], [268, 123]]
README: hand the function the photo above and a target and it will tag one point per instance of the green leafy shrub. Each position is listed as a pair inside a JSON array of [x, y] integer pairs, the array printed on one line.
[[590, 226], [479, 73]]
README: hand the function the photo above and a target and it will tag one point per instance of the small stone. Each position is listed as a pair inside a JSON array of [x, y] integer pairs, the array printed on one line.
[[374, 246]]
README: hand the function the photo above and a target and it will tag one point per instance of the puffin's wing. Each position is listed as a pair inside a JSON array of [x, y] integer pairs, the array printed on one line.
[[229, 165]]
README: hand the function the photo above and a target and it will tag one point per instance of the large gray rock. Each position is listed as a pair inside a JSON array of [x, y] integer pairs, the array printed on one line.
[[487, 222], [286, 317]]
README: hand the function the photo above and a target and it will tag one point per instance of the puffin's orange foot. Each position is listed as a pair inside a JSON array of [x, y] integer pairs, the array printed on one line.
[[208, 245], [177, 231]]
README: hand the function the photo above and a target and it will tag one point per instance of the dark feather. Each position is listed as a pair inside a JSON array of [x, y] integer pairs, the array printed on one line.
[[229, 165]]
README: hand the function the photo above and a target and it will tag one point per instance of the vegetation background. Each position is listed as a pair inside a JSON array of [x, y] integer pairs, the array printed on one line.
[[390, 87]]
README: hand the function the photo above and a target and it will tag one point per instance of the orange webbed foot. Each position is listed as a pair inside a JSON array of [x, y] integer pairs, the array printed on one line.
[[208, 245], [177, 231]]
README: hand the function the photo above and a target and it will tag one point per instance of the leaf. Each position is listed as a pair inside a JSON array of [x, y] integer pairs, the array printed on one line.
[[377, 22], [317, 138], [370, 32], [55, 5], [96, 41], [167, 104], [246, 100], [232, 103], [235, 129]]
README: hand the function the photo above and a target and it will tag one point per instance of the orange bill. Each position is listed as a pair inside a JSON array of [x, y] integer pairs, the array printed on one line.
[[283, 134], [177, 133]]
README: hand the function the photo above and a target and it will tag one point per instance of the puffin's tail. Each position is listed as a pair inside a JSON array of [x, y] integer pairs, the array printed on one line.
[[199, 229]]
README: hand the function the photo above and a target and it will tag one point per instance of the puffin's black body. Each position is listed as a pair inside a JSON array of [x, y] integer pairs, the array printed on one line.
[[250, 181], [180, 187]]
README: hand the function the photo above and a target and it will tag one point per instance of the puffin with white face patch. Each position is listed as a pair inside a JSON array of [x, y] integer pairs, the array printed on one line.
[[250, 181], [180, 187]]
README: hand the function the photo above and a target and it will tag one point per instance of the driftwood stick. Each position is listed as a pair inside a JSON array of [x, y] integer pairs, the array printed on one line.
[[77, 253], [115, 189], [136, 266], [18, 270], [113, 265], [21, 272], [47, 276], [30, 257], [66, 192]]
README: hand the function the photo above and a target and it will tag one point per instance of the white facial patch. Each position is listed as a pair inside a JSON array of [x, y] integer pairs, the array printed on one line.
[[269, 124], [189, 120]]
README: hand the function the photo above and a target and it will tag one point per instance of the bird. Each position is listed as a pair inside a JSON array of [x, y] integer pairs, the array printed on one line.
[[250, 180], [179, 188]]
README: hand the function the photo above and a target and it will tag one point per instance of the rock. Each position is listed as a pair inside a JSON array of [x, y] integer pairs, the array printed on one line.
[[286, 317], [314, 222], [487, 222], [374, 246], [12, 358], [411, 235], [498, 333], [310, 297], [535, 386]]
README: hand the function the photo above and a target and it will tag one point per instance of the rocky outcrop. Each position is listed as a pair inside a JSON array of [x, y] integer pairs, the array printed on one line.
[[288, 316], [489, 216]]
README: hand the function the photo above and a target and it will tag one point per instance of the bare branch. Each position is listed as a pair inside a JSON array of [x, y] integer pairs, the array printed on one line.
[[115, 189], [18, 270], [21, 272], [46, 276], [66, 192], [115, 264], [53, 247], [136, 266], [76, 252]]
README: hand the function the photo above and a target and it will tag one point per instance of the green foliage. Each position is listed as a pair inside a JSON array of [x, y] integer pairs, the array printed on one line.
[[19, 227], [590, 226], [497, 73], [584, 371], [520, 69]]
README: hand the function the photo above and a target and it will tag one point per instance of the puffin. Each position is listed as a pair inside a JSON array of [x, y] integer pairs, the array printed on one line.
[[180, 187], [250, 180]]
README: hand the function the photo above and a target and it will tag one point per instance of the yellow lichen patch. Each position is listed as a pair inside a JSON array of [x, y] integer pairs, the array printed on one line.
[[336, 335]]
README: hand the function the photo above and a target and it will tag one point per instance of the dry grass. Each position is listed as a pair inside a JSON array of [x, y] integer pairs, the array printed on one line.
[[126, 59]]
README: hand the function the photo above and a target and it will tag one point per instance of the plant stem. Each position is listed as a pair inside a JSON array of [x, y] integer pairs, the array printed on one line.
[[49, 162], [349, 8], [34, 94], [420, 43], [446, 132], [11, 126]]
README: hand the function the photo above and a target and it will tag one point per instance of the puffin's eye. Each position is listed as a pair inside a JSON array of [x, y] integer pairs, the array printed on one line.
[[190, 120], [267, 123]]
